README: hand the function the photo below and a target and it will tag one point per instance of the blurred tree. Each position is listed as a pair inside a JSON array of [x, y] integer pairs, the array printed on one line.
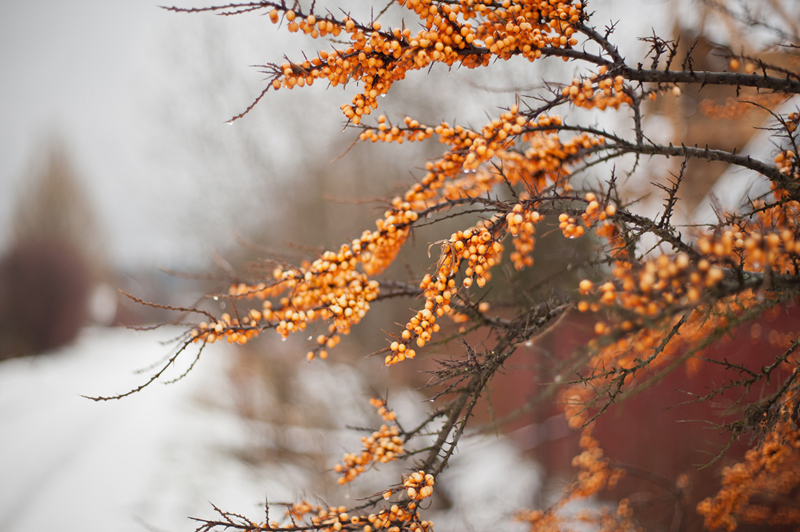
[[54, 260]]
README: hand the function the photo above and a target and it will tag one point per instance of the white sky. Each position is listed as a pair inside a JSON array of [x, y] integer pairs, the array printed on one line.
[[121, 84], [69, 69]]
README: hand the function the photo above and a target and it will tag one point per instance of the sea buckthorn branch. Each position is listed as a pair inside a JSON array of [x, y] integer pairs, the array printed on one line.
[[725, 279], [386, 132], [759, 418], [418, 430], [745, 161], [788, 84], [595, 474], [379, 58], [665, 232], [745, 314], [620, 146], [303, 516], [157, 375], [479, 369], [383, 446], [182, 310], [307, 301], [759, 489], [392, 288], [478, 248], [625, 354], [602, 40], [666, 308], [731, 79], [609, 383], [559, 125], [329, 288], [751, 378]]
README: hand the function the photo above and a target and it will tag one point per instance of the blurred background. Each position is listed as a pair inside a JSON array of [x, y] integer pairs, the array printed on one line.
[[118, 172]]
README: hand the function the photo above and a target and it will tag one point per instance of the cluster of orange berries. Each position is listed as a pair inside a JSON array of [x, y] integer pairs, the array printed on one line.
[[459, 172], [330, 288], [771, 242], [595, 474], [594, 211], [495, 136], [378, 249], [525, 27], [753, 491], [379, 58], [481, 250], [336, 519], [593, 214], [419, 485], [398, 518], [508, 29], [308, 25], [597, 92], [331, 519], [367, 59], [413, 132], [384, 445], [469, 149], [450, 166], [662, 282], [423, 325], [569, 226], [521, 224], [231, 329], [380, 406], [792, 120], [787, 164], [548, 154]]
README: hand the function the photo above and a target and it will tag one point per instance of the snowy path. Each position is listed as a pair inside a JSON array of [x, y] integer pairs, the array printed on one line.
[[147, 461]]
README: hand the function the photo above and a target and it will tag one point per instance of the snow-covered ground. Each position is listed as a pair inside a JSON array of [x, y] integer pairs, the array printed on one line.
[[145, 462]]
